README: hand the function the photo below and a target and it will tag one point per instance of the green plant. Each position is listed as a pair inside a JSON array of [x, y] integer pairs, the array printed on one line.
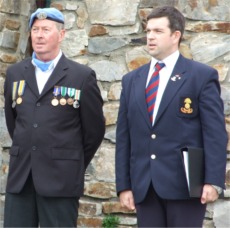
[[110, 221]]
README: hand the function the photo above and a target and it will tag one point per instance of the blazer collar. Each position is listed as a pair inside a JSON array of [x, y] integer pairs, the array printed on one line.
[[176, 80], [58, 73], [139, 88]]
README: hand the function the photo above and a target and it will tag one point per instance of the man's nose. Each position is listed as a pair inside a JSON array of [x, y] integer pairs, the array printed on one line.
[[151, 35]]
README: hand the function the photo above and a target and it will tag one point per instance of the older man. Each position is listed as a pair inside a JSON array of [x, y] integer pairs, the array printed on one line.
[[53, 110]]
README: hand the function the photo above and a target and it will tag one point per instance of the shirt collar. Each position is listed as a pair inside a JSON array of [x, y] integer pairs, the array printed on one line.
[[169, 61]]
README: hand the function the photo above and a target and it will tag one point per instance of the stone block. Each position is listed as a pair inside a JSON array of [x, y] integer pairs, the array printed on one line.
[[12, 24], [3, 68], [97, 30], [115, 207], [100, 190], [4, 135], [137, 57], [74, 43], [127, 221], [221, 214], [87, 208], [9, 39], [214, 10], [111, 136], [89, 221], [111, 113], [107, 70], [2, 21], [8, 58], [209, 46], [112, 12], [100, 45]]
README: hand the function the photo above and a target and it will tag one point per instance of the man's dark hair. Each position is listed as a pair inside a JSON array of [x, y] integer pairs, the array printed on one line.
[[175, 17]]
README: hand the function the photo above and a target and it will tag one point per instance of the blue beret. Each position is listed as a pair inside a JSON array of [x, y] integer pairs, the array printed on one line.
[[47, 13]]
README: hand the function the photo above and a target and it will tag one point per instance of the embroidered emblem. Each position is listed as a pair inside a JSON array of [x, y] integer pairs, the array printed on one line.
[[176, 77], [187, 106]]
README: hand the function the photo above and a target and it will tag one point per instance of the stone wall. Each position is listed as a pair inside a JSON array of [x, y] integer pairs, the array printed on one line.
[[109, 37]]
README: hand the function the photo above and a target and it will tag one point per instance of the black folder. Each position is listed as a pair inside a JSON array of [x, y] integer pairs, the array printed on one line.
[[193, 158]]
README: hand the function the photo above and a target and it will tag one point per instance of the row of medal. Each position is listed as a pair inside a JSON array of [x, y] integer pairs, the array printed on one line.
[[72, 93]]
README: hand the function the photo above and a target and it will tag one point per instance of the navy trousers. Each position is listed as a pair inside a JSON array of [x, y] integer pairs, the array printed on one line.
[[28, 209], [157, 212]]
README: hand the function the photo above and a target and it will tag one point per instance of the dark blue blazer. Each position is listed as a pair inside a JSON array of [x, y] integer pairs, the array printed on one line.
[[195, 122]]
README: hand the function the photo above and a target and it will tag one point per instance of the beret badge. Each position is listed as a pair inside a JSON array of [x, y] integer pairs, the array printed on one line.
[[42, 15]]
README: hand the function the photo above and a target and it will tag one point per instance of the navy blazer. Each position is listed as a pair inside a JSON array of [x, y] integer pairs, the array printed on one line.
[[178, 124], [55, 143]]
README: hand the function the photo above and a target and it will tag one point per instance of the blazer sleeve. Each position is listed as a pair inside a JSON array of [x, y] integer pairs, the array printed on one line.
[[10, 113], [122, 158], [92, 119], [214, 131]]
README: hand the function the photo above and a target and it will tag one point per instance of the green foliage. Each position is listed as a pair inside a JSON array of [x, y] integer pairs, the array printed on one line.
[[110, 221]]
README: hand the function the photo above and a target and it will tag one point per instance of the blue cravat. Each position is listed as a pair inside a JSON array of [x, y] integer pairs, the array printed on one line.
[[44, 66]]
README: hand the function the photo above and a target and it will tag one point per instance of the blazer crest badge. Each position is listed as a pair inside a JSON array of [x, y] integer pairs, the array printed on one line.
[[187, 106]]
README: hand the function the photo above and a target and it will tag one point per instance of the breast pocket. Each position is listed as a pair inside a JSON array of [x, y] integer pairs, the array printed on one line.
[[188, 106]]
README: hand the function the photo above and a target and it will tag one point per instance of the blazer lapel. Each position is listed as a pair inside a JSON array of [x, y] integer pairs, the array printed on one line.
[[176, 80], [30, 78], [139, 87]]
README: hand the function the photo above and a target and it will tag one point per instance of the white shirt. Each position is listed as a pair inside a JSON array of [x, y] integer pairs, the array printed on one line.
[[164, 74], [42, 77]]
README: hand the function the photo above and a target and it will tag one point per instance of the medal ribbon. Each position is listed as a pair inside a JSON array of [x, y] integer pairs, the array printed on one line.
[[57, 91], [21, 88], [14, 90], [71, 92], [77, 95], [63, 91]]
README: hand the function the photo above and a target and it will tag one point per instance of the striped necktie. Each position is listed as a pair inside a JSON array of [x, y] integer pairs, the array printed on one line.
[[151, 90]]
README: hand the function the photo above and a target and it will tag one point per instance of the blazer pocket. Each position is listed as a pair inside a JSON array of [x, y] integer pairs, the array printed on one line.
[[14, 151], [65, 154], [188, 106]]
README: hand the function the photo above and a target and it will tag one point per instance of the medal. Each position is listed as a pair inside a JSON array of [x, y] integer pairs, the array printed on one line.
[[77, 98], [54, 102], [21, 89], [70, 101], [56, 92], [14, 90], [19, 100], [70, 92], [63, 94], [14, 104], [62, 101], [76, 104]]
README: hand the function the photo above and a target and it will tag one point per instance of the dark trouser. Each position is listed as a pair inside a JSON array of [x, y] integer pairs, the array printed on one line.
[[28, 209], [157, 212]]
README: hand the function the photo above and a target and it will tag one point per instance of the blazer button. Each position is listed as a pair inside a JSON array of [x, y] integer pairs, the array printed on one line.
[[38, 104], [153, 136], [153, 156], [35, 125], [34, 148]]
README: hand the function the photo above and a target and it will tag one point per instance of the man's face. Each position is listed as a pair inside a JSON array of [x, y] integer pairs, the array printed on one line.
[[46, 39], [161, 42]]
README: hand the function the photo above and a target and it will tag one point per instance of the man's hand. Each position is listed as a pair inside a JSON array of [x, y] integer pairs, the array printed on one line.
[[127, 200], [209, 194]]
